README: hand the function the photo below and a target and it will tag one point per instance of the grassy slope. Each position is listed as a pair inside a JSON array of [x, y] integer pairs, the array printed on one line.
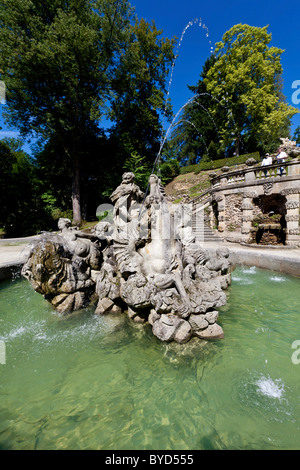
[[191, 185], [188, 186]]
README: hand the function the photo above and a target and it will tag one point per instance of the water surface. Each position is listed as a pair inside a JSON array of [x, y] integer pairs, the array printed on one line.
[[100, 382]]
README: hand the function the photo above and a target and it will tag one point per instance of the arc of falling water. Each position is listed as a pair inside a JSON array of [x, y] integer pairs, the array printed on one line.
[[162, 144], [188, 25], [197, 130]]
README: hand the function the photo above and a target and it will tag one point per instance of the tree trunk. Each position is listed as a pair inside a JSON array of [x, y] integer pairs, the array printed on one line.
[[76, 192], [237, 146]]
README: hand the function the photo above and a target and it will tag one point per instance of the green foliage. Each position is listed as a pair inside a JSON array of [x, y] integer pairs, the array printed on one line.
[[139, 90], [57, 59], [66, 66], [196, 133], [213, 165], [169, 170], [296, 136], [136, 164], [246, 81], [51, 207], [22, 212]]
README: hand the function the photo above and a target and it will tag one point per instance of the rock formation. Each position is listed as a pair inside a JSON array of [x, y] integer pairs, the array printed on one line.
[[147, 264], [290, 147], [59, 266]]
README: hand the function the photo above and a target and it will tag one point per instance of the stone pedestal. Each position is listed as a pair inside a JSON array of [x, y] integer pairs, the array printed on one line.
[[221, 213], [247, 217], [292, 219]]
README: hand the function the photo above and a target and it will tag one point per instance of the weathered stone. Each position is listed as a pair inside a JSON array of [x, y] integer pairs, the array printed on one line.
[[290, 147], [116, 309], [54, 271], [138, 319], [251, 161], [65, 306], [131, 313], [211, 332], [183, 332], [58, 299], [292, 204], [153, 316], [148, 260], [104, 306], [198, 322], [211, 317], [165, 327]]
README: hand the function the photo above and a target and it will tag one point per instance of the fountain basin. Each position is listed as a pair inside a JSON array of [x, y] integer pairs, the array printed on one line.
[[87, 381]]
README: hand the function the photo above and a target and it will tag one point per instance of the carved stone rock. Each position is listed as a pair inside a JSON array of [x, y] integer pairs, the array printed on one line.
[[62, 276], [147, 264], [290, 147]]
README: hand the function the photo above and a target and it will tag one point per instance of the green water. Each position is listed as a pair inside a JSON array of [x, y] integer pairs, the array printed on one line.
[[99, 382]]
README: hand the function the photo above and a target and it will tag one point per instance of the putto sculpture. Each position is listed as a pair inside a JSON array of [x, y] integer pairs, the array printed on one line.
[[145, 263]]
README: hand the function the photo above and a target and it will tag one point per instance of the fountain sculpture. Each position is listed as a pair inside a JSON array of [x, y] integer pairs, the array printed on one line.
[[145, 263]]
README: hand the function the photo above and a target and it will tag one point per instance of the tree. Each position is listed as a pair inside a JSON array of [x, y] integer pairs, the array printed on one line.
[[22, 210], [197, 134], [57, 59], [246, 80], [139, 91], [135, 164], [297, 135]]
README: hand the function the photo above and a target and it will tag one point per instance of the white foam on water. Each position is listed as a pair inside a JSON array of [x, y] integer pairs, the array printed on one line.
[[277, 279], [243, 281], [249, 270], [14, 333], [270, 388], [23, 331]]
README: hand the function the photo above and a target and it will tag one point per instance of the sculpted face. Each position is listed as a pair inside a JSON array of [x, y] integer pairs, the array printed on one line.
[[62, 223], [128, 178], [153, 179]]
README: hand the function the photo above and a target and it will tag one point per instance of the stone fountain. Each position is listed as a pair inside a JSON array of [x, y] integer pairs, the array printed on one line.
[[145, 263]]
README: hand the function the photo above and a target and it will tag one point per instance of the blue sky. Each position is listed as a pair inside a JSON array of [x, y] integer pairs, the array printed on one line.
[[172, 16], [219, 16]]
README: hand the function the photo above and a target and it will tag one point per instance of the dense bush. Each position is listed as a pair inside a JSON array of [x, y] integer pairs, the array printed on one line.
[[215, 164]]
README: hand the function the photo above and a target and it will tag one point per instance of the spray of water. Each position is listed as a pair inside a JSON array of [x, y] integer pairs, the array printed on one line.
[[191, 23], [270, 388], [197, 130]]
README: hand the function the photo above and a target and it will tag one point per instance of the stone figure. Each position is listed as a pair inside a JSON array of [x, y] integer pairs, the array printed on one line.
[[165, 280], [147, 265], [59, 266], [290, 147], [80, 243], [125, 198], [61, 276]]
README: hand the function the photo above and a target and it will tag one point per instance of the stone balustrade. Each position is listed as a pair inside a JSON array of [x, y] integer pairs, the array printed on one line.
[[250, 174], [235, 197]]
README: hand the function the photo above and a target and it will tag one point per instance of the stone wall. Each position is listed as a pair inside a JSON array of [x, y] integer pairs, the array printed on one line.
[[233, 212], [239, 198]]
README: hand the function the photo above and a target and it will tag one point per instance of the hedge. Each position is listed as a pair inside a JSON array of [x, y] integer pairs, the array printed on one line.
[[215, 164]]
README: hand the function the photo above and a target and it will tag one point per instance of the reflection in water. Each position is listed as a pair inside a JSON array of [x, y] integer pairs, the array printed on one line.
[[99, 382]]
